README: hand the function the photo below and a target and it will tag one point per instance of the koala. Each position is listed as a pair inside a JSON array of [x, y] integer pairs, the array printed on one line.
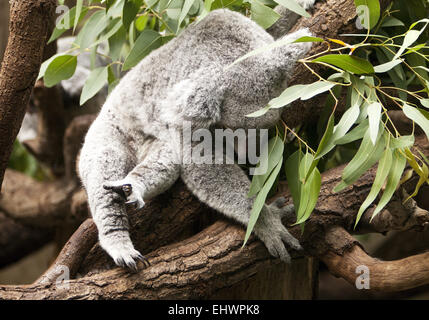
[[130, 153]]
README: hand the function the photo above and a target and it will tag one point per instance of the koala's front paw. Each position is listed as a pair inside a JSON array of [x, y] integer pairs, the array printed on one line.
[[130, 191], [273, 233], [124, 254]]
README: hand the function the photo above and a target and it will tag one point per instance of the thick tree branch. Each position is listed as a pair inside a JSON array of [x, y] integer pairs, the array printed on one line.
[[18, 240]]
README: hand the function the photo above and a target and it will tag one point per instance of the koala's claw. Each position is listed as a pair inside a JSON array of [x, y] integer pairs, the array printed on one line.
[[274, 235], [132, 197], [125, 256]]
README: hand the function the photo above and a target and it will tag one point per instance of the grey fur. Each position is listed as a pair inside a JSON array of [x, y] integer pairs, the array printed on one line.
[[132, 141]]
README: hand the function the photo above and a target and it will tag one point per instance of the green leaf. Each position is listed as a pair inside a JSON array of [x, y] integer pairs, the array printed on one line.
[[417, 116], [357, 133], [293, 5], [410, 37], [308, 39], [309, 189], [348, 63], [262, 15], [79, 4], [141, 22], [326, 143], [260, 201], [67, 20], [129, 12], [346, 122], [395, 173], [92, 28], [386, 66], [402, 142], [292, 176], [424, 102], [258, 113], [383, 169], [147, 41], [46, 64], [185, 10], [316, 88], [392, 22], [374, 117], [268, 161], [96, 80], [60, 68], [287, 96], [368, 9], [273, 45], [367, 155]]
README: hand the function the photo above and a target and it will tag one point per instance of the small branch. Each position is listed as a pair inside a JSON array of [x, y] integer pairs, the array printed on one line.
[[73, 253]]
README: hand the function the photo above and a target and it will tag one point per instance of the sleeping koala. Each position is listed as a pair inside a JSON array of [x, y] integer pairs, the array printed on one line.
[[131, 153]]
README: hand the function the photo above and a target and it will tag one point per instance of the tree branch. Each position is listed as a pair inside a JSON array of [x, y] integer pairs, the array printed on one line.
[[30, 24], [384, 276]]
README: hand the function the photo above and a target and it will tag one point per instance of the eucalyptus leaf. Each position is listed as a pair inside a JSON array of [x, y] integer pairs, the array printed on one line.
[[395, 173], [374, 117], [60, 68], [348, 63], [269, 161], [293, 5], [147, 41], [383, 169], [96, 80], [417, 116], [262, 15], [260, 201]]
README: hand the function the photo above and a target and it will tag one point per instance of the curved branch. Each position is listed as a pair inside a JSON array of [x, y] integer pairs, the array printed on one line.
[[384, 276]]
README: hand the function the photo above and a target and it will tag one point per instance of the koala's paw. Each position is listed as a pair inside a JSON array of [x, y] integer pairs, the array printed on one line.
[[124, 254], [273, 233], [130, 191]]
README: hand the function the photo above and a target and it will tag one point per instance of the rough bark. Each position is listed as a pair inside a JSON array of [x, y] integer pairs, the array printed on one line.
[[30, 25]]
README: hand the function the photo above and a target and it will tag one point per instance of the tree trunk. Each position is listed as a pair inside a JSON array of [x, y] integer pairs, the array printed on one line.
[[30, 24]]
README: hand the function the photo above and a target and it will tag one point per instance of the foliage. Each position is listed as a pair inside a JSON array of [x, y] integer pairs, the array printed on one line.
[[22, 160], [391, 55]]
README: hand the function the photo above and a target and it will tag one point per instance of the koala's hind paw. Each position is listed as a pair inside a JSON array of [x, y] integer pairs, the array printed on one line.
[[128, 258], [131, 192], [274, 234]]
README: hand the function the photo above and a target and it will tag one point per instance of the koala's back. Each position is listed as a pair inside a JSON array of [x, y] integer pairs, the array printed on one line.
[[199, 53]]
